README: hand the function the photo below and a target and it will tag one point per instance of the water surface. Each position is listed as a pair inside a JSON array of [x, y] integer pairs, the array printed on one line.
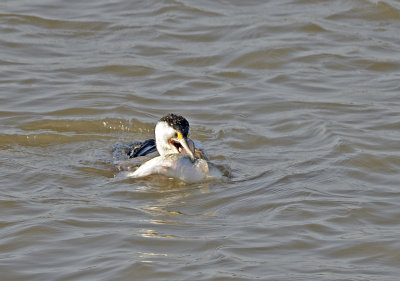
[[300, 99]]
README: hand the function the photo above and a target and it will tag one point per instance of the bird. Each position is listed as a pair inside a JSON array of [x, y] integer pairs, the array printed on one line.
[[172, 153]]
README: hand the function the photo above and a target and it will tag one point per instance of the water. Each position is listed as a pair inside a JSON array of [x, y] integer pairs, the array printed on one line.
[[300, 99]]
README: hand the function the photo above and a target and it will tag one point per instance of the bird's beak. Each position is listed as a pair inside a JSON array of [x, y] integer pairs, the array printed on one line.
[[187, 149], [184, 146]]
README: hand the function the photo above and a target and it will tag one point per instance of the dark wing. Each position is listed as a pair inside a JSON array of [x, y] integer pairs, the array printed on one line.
[[125, 151], [128, 156], [142, 148]]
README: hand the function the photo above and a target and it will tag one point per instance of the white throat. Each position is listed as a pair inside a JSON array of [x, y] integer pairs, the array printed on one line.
[[163, 133]]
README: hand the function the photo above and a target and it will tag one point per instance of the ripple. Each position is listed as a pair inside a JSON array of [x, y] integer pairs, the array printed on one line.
[[367, 10], [297, 100], [36, 21], [106, 125], [262, 59]]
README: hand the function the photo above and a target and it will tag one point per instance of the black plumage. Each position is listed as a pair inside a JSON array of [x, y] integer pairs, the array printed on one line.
[[177, 122]]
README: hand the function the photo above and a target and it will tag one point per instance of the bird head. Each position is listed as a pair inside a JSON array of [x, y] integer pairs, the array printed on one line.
[[171, 134]]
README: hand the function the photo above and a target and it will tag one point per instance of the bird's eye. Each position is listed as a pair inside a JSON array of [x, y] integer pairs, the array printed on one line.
[[175, 135]]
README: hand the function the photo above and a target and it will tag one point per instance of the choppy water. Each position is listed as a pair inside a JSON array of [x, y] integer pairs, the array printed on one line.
[[299, 98]]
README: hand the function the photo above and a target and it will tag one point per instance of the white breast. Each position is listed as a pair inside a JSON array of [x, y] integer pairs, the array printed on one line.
[[178, 166]]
